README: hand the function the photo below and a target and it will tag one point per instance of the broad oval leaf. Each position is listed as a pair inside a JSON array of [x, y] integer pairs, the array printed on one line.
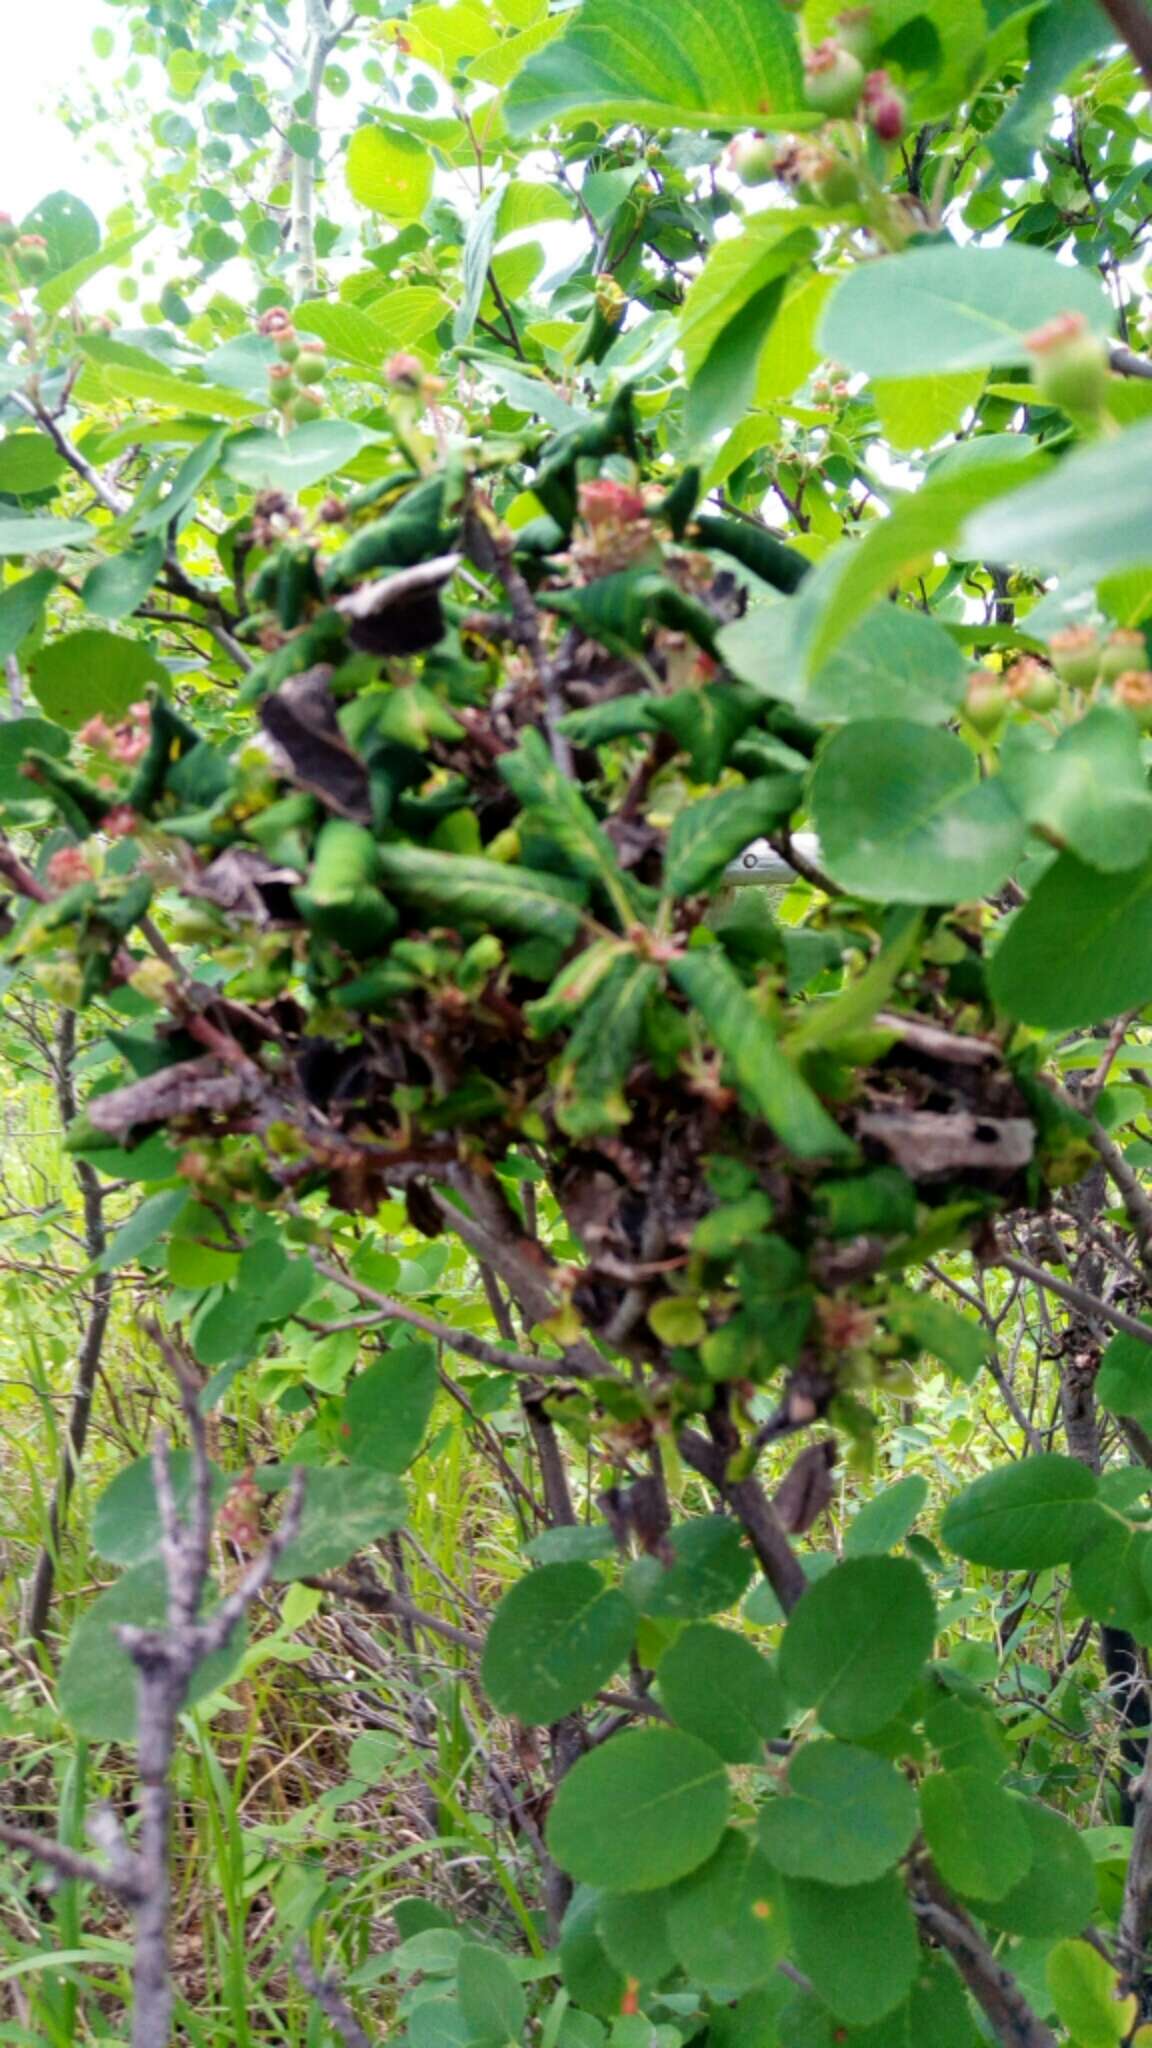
[[345, 1508], [884, 1519], [855, 1644], [639, 1812], [93, 673], [97, 1677], [36, 536], [126, 1520], [717, 1685], [856, 1944], [716, 64], [979, 1839], [1092, 516], [290, 462], [726, 1921], [390, 172], [894, 663], [848, 1816], [386, 1408], [903, 817], [1081, 948], [1057, 1896], [1041, 1511], [555, 1639], [945, 307]]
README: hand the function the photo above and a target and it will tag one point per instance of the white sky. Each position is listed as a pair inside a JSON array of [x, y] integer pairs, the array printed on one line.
[[44, 45]]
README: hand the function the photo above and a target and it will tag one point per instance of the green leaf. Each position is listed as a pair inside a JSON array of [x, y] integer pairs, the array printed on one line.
[[960, 1343], [710, 1571], [97, 1689], [855, 1645], [721, 391], [634, 1930], [556, 1638], [717, 66], [455, 887], [709, 833], [1124, 1381], [716, 1685], [38, 535], [1041, 1511], [1091, 517], [726, 1920], [1086, 1992], [145, 1227], [1080, 950], [70, 229], [887, 1517], [552, 800], [591, 1073], [904, 818], [894, 664], [116, 587], [1088, 789], [345, 1508], [126, 1520], [945, 307], [57, 291], [977, 1834], [1058, 1895], [848, 1816], [291, 462], [17, 737], [856, 1944], [28, 463], [21, 609], [117, 370], [639, 1812], [935, 2011], [386, 1408], [389, 171], [491, 2000], [761, 1070], [1060, 38], [475, 261], [90, 673], [346, 331], [1112, 1578]]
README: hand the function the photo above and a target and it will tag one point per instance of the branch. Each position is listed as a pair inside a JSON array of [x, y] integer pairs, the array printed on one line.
[[1077, 1297], [330, 1999], [462, 1340], [995, 1990], [112, 500], [1133, 24], [321, 41], [378, 1600]]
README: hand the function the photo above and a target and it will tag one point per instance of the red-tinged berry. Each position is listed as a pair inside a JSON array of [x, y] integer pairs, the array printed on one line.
[[1075, 655], [833, 79], [404, 370], [604, 502], [1132, 691], [855, 31], [66, 867], [288, 346], [1032, 684], [986, 701], [277, 320], [752, 159], [1124, 649], [885, 108], [1069, 364], [828, 176], [311, 364], [31, 253], [281, 385]]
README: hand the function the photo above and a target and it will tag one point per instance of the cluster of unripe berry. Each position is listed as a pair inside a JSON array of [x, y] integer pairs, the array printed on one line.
[[27, 254], [1081, 659], [838, 84], [301, 365]]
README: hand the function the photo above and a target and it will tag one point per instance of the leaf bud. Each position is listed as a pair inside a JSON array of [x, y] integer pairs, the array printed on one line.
[[833, 79]]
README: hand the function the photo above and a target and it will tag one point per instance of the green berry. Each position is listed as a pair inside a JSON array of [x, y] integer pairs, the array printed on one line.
[[833, 79], [1070, 364], [311, 366]]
